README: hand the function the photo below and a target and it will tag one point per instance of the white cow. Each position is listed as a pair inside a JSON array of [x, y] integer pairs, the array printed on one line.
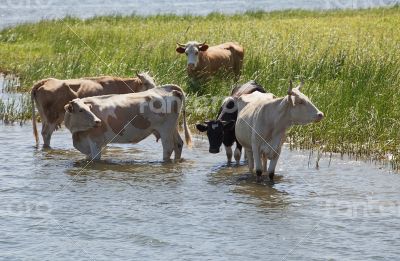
[[262, 124], [128, 118]]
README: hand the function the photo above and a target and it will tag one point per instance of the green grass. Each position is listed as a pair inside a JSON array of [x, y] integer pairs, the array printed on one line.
[[350, 61]]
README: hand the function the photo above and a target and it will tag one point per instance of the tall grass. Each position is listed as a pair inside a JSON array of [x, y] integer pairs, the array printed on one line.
[[350, 61]]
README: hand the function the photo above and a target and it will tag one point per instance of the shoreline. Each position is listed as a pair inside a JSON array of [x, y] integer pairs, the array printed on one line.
[[310, 11]]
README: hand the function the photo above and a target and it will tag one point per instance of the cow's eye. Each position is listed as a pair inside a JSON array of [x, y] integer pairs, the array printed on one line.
[[196, 53], [80, 110]]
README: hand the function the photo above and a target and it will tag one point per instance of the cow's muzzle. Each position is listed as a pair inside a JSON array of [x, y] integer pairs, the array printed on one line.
[[319, 117]]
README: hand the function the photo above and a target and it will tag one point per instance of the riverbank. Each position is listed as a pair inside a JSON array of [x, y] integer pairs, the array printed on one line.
[[350, 61]]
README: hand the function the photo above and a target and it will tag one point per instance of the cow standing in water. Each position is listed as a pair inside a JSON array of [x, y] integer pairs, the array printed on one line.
[[51, 95], [128, 118], [222, 130], [261, 127], [205, 61]]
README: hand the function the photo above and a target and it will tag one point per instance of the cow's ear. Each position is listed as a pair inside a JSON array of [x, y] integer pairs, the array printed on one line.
[[201, 127], [203, 47], [180, 49], [69, 108], [230, 125]]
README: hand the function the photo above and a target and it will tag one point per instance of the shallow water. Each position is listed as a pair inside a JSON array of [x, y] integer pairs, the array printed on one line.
[[131, 206], [17, 11]]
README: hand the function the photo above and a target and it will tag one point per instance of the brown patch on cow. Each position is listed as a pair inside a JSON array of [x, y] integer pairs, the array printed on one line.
[[140, 122], [157, 104], [175, 107], [127, 115]]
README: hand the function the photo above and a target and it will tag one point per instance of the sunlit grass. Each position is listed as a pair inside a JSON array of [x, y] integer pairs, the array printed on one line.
[[350, 61]]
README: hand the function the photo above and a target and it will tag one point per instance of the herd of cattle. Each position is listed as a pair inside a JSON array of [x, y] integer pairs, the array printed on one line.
[[103, 110]]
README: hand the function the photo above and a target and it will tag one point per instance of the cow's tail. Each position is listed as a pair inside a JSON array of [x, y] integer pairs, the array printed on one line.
[[33, 99], [177, 91], [188, 135]]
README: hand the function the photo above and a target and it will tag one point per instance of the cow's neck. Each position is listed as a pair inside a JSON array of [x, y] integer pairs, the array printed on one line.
[[283, 120]]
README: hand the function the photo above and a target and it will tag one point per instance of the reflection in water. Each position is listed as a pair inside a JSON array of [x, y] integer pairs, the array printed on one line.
[[264, 195], [56, 206]]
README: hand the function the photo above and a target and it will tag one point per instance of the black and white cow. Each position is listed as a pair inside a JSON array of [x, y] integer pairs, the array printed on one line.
[[222, 130]]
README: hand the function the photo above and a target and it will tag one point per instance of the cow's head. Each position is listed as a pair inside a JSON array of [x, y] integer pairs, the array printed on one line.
[[215, 132], [302, 110], [79, 117], [147, 81], [192, 50]]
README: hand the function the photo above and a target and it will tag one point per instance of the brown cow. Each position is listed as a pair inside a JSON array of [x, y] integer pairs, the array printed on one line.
[[128, 118], [204, 61], [51, 95]]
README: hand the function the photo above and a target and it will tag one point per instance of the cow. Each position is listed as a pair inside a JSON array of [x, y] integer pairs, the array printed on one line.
[[261, 127], [222, 130], [128, 118], [50, 96], [204, 61]]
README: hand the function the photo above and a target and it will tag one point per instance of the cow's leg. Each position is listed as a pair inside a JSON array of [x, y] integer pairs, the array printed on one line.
[[257, 161], [228, 150], [95, 151], [250, 160], [47, 131], [238, 152], [271, 168], [178, 145], [167, 141], [264, 162]]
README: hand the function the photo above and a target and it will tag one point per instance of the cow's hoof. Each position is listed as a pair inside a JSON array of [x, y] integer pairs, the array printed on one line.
[[271, 176], [46, 147], [259, 176]]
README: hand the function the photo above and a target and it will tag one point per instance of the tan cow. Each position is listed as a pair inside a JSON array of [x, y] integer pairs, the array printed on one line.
[[128, 118], [51, 95], [204, 61], [262, 124]]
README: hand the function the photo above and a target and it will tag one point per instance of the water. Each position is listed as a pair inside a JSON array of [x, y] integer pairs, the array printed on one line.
[[131, 206], [13, 12]]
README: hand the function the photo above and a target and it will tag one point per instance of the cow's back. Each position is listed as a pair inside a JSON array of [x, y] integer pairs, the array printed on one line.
[[108, 85], [247, 88]]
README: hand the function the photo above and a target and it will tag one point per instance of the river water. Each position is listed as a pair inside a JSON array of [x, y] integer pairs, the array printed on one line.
[[131, 206], [13, 12]]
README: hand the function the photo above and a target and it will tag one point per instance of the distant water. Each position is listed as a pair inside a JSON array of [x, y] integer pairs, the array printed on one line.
[[13, 12]]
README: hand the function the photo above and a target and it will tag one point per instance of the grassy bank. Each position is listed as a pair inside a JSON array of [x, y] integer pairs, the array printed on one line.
[[350, 61]]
